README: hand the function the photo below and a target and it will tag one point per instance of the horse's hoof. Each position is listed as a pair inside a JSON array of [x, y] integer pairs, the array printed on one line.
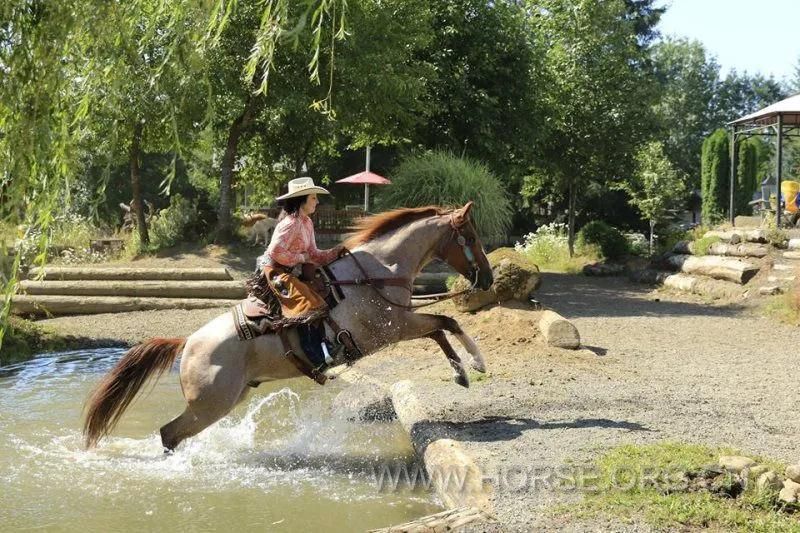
[[462, 380], [478, 366]]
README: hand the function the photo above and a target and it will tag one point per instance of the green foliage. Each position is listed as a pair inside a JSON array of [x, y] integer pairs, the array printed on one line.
[[747, 181], [172, 224], [700, 246], [611, 243], [24, 339], [715, 177], [687, 78], [646, 481], [548, 249], [441, 178]]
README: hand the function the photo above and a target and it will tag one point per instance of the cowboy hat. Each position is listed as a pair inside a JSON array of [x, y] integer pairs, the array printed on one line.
[[302, 187]]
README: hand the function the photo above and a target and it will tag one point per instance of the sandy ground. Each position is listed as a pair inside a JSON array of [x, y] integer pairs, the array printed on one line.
[[653, 368]]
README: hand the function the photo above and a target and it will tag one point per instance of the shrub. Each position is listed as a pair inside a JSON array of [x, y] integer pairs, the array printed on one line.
[[548, 249], [637, 244], [171, 224], [611, 243], [440, 178]]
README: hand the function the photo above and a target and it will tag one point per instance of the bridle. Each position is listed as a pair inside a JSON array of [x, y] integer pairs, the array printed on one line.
[[377, 283]]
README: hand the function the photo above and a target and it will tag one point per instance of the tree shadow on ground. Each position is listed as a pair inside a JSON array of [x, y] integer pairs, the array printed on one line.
[[505, 428], [580, 296]]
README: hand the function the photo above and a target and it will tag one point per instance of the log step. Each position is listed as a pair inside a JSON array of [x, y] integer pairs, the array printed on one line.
[[163, 289], [721, 248], [737, 236], [130, 274], [713, 266], [692, 284], [89, 305]]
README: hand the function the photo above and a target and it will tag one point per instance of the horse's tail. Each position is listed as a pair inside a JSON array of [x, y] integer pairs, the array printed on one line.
[[117, 389], [249, 220]]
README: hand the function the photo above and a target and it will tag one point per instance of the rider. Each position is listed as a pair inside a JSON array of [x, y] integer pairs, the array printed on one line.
[[293, 243]]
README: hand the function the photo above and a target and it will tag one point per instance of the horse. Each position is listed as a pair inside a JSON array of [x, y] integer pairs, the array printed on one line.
[[217, 369]]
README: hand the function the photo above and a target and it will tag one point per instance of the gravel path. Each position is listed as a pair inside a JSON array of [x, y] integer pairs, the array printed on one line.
[[653, 371]]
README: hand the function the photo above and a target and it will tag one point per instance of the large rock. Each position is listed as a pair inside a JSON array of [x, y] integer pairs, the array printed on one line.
[[793, 473], [365, 402], [769, 481], [515, 278], [789, 491], [735, 463]]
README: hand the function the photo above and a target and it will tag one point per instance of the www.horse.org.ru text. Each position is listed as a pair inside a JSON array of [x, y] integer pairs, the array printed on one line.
[[391, 477]]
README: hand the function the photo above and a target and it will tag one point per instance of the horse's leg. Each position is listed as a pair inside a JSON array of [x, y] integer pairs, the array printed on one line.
[[459, 376], [433, 322], [213, 381]]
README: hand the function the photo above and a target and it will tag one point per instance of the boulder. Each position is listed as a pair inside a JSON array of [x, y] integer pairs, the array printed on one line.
[[515, 278], [789, 491], [793, 473], [769, 481], [735, 463], [365, 403], [756, 471]]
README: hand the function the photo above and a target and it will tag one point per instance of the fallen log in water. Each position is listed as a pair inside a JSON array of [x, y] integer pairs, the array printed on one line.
[[722, 248], [131, 274], [450, 520], [736, 236], [161, 289], [713, 266], [90, 305]]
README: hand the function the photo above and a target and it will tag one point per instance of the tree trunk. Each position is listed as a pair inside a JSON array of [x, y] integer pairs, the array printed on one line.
[[156, 288], [652, 232], [89, 305], [53, 273], [571, 219], [137, 204], [224, 230]]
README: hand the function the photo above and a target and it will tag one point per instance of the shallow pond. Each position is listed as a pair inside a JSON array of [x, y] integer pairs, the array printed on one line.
[[282, 461]]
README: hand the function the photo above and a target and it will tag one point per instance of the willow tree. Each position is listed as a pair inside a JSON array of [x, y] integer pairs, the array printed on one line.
[[60, 62]]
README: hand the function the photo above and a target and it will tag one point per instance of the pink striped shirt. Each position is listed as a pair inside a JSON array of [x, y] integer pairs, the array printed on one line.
[[293, 237]]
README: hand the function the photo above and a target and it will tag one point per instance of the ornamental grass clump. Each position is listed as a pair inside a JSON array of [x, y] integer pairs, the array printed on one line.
[[441, 178]]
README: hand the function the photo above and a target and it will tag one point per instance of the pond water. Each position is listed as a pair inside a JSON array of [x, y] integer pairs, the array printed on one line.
[[282, 461]]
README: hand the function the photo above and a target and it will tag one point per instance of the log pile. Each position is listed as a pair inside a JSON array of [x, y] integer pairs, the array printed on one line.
[[722, 248], [713, 266], [92, 290]]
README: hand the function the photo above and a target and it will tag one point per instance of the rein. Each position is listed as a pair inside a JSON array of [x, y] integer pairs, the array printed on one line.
[[374, 283]]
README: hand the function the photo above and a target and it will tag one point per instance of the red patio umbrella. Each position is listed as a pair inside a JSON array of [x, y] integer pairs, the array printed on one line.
[[367, 178]]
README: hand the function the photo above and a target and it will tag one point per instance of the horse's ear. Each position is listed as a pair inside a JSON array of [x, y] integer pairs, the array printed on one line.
[[460, 216]]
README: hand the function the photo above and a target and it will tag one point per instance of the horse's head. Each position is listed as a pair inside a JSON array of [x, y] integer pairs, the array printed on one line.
[[462, 249]]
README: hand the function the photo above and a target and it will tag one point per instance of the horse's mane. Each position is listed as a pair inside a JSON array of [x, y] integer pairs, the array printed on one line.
[[374, 226]]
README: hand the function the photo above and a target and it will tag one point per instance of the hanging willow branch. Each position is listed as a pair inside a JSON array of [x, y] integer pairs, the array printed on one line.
[[64, 68]]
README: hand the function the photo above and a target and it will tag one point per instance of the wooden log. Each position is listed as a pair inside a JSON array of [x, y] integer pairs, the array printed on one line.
[[558, 331], [90, 305], [686, 283], [791, 255], [722, 248], [160, 289], [703, 286], [450, 520], [131, 274], [753, 235], [713, 266]]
